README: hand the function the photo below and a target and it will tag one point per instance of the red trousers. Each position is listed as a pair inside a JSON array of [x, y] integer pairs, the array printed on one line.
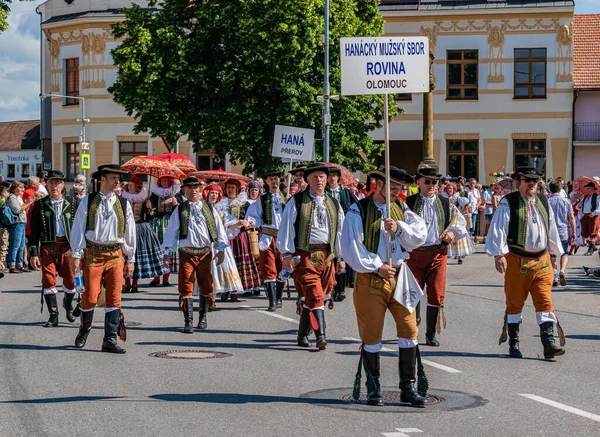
[[270, 263], [102, 268], [198, 267], [589, 226], [429, 269], [55, 259], [314, 276]]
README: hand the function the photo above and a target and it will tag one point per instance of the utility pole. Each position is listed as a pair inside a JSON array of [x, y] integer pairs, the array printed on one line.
[[428, 158], [326, 106]]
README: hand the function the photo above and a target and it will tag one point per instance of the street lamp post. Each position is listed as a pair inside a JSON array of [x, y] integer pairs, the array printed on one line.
[[326, 106], [83, 120]]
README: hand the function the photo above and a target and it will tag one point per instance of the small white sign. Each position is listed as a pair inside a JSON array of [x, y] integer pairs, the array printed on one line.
[[384, 65], [293, 143]]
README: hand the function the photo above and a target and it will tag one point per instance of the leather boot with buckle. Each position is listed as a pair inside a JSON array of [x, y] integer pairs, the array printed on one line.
[[84, 330], [188, 314], [202, 310], [432, 316], [304, 328], [551, 350], [50, 299], [270, 292], [320, 332], [407, 366], [111, 327], [68, 306], [372, 370], [513, 340]]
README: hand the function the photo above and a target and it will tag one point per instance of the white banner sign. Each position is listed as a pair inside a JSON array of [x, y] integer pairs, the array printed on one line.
[[384, 65], [294, 143]]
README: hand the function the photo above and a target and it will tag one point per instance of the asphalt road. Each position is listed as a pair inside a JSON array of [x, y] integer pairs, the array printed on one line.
[[266, 386]]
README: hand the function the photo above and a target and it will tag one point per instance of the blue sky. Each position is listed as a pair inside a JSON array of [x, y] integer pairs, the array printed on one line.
[[19, 59]]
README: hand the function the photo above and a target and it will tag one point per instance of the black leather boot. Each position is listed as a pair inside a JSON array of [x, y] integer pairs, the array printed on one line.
[[320, 332], [68, 306], [84, 330], [50, 299], [513, 340], [371, 366], [202, 310], [407, 366], [111, 327], [304, 328], [279, 294], [187, 306], [339, 292], [270, 292], [432, 315], [551, 350]]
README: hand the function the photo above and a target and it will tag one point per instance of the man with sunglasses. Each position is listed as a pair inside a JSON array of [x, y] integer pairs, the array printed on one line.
[[445, 224], [522, 236]]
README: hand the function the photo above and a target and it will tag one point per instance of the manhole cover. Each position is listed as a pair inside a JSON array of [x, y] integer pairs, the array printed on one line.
[[190, 354], [439, 400], [127, 323], [390, 398]]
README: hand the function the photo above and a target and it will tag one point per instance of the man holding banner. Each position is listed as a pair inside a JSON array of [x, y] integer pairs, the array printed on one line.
[[381, 286]]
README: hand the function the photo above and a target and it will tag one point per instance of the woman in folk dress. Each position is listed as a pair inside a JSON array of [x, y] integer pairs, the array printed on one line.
[[226, 278], [461, 248], [164, 198]]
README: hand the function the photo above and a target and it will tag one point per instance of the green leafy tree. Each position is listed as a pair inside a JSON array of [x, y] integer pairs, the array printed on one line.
[[225, 72], [4, 10]]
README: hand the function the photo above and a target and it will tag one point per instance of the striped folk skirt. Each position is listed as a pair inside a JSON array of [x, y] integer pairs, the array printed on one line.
[[159, 226]]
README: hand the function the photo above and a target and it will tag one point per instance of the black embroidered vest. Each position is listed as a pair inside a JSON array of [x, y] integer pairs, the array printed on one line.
[[184, 220], [517, 225], [442, 208]]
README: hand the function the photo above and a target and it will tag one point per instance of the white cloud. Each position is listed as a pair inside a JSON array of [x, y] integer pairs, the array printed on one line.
[[20, 63]]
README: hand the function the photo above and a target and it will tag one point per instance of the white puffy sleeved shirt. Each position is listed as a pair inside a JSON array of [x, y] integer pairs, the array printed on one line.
[[410, 235]]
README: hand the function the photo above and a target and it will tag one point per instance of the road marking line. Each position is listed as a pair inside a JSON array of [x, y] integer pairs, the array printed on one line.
[[562, 406], [429, 363], [402, 432], [287, 319]]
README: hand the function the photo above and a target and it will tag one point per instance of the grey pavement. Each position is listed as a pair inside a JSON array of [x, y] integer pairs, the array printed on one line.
[[267, 386]]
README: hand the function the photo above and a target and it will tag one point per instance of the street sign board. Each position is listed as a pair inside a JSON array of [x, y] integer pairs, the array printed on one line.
[[85, 161], [85, 146], [384, 65], [293, 143]]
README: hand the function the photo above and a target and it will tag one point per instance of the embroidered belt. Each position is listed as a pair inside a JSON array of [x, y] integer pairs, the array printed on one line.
[[102, 248], [429, 248], [61, 240], [271, 232], [523, 254], [194, 251], [314, 247]]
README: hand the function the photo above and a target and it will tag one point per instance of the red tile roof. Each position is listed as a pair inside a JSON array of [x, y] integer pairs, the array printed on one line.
[[586, 51], [14, 133]]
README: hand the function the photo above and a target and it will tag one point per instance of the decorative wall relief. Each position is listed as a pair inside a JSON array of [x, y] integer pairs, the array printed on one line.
[[55, 67], [496, 53], [564, 49]]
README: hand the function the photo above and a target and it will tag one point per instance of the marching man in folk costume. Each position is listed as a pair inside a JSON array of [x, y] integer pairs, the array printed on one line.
[[445, 224], [522, 236], [104, 236], [346, 199], [51, 222], [364, 246], [589, 208], [265, 214], [311, 227], [195, 228]]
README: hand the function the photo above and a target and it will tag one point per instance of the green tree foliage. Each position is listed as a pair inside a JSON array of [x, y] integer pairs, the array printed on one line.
[[4, 10], [225, 72]]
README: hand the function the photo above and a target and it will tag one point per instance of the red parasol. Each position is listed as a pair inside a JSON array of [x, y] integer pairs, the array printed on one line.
[[152, 166], [180, 161], [219, 175], [503, 187], [580, 183], [347, 178]]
